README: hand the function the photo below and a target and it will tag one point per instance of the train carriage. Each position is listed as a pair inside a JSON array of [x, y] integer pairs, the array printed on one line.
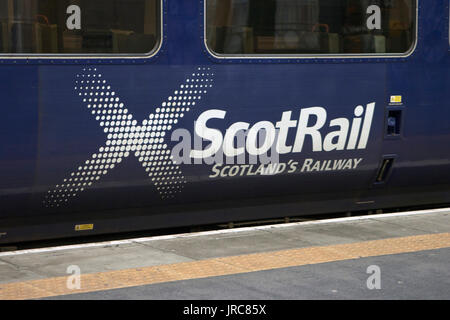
[[126, 115]]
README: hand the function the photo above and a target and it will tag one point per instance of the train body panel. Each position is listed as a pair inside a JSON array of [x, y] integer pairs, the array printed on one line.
[[66, 158]]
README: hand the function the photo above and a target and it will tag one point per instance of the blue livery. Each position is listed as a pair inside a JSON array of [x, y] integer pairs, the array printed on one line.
[[94, 141]]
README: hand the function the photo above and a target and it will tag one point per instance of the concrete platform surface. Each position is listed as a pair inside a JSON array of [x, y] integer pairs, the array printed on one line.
[[406, 254]]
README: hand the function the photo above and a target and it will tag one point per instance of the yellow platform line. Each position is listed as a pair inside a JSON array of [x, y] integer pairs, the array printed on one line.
[[222, 266]]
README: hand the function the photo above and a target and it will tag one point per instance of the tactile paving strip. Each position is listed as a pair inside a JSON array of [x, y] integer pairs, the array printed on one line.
[[222, 266]]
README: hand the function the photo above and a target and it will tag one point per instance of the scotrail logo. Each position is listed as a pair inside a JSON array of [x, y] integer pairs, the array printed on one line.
[[241, 143]]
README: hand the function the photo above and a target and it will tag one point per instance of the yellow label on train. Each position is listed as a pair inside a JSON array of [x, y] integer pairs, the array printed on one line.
[[84, 227], [396, 99]]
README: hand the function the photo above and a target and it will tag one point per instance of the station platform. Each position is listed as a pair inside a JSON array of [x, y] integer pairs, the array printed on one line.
[[386, 256]]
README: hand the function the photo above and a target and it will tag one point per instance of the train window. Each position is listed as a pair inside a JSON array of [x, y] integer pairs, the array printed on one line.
[[78, 27], [310, 27]]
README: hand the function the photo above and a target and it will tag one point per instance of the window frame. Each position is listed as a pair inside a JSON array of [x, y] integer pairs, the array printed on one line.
[[307, 57], [448, 23], [91, 56]]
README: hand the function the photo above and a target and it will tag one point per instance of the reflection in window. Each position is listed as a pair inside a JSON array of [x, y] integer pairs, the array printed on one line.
[[79, 26], [310, 26]]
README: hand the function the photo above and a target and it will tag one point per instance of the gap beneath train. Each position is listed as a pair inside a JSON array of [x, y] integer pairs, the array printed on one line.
[[202, 228]]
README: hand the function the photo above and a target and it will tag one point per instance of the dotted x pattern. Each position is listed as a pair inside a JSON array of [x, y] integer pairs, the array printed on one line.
[[146, 141]]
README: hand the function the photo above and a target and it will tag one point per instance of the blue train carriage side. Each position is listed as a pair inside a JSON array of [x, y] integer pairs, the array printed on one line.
[[132, 115]]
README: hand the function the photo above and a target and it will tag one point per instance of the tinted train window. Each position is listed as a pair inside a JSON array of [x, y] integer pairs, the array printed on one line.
[[79, 26], [310, 26]]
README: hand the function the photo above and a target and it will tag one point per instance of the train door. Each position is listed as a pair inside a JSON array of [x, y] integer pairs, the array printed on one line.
[[413, 159], [326, 54]]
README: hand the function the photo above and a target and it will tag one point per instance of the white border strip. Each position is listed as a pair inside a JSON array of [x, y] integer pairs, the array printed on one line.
[[219, 232]]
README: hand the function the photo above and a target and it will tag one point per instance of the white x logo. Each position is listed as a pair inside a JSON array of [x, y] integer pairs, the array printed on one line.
[[125, 136]]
